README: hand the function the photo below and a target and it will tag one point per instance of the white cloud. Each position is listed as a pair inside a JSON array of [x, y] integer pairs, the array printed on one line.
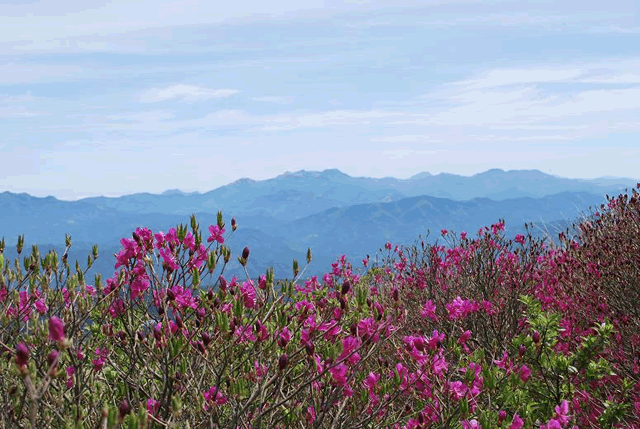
[[188, 93], [418, 138], [274, 99], [514, 76], [333, 117]]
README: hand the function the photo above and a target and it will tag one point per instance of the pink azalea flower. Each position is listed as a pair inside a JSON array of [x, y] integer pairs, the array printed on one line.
[[168, 259], [213, 395], [371, 380], [502, 362], [152, 406], [189, 241], [562, 412], [517, 422], [70, 371], [216, 234], [440, 365], [525, 373], [98, 363], [458, 389], [459, 308], [284, 337], [349, 344], [248, 294], [429, 310], [552, 424], [339, 374], [172, 237], [311, 415], [40, 306]]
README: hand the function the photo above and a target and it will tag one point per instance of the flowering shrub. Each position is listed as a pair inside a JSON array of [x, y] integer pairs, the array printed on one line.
[[484, 333]]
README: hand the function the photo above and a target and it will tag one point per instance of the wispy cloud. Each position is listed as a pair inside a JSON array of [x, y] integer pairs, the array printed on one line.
[[17, 106], [188, 93], [274, 99]]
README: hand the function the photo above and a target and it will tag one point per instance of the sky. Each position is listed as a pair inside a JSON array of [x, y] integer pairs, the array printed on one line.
[[119, 97]]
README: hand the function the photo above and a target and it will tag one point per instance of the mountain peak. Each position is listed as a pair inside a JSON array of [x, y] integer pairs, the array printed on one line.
[[242, 180], [332, 172], [325, 174], [172, 192], [422, 175]]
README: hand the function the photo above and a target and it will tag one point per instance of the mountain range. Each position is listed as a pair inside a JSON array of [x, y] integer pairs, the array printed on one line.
[[329, 211]]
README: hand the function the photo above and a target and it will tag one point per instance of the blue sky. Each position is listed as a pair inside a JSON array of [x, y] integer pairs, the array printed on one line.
[[112, 98]]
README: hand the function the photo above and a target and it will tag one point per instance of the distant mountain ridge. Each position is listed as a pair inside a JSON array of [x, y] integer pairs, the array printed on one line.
[[329, 211]]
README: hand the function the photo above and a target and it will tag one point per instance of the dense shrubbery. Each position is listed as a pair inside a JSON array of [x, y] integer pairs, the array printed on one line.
[[485, 332]]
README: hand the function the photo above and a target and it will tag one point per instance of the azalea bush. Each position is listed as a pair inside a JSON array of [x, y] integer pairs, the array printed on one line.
[[484, 332]]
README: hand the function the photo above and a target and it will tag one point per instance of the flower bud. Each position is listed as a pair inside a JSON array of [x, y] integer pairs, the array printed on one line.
[[123, 409], [346, 286], [283, 361], [56, 329], [353, 329], [157, 333], [171, 295], [234, 225], [178, 321], [536, 337], [245, 253], [501, 416], [51, 359], [206, 338], [107, 329], [310, 348], [521, 350]]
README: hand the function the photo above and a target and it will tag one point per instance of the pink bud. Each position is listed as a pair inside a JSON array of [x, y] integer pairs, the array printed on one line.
[[22, 355], [346, 286], [536, 337], [178, 322], [56, 329], [123, 409], [51, 359], [206, 338], [501, 416], [245, 253], [522, 350], [282, 362]]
